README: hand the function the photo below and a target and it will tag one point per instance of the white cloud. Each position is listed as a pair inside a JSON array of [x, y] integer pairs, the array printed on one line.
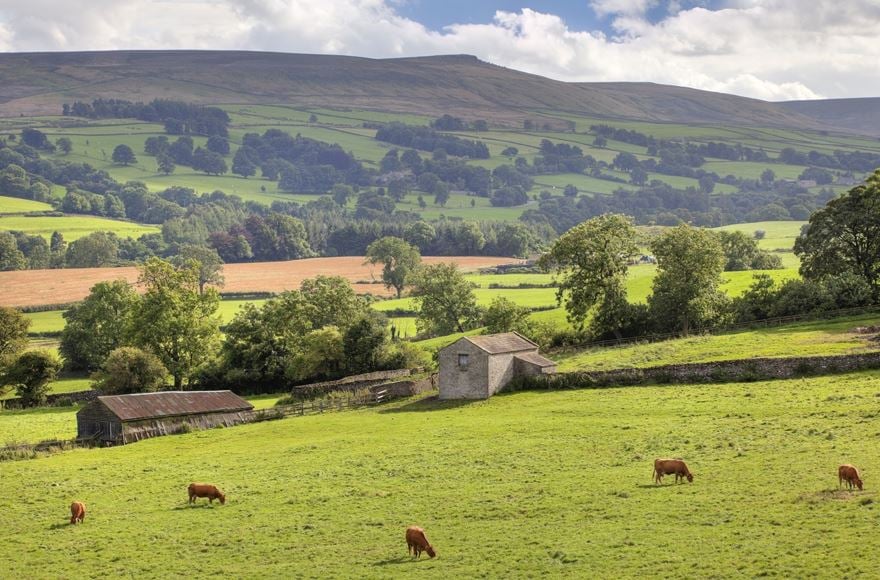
[[627, 7], [769, 49]]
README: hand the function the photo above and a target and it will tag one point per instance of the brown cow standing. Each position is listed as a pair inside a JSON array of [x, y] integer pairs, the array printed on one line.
[[850, 475], [668, 467], [416, 542], [205, 490], [77, 512]]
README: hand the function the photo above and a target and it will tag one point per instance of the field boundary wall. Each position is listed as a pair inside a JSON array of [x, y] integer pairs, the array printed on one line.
[[742, 370]]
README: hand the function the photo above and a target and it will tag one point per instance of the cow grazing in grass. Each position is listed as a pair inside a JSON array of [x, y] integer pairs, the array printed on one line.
[[205, 490], [671, 466], [77, 512], [416, 542], [850, 475]]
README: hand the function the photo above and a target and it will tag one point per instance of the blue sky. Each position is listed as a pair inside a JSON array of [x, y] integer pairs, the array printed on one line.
[[767, 49], [578, 14], [437, 14]]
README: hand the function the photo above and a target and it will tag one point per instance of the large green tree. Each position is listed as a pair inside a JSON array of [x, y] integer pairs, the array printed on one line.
[[13, 331], [591, 260], [96, 250], [444, 298], [174, 320], [123, 155], [283, 338], [98, 325], [398, 259], [11, 258], [209, 261], [13, 337], [844, 236], [685, 293]]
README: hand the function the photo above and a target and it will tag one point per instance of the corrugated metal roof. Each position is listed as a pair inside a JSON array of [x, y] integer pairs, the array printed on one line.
[[501, 343], [173, 403], [536, 359]]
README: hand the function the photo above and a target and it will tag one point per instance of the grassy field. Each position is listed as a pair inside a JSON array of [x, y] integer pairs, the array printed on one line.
[[523, 485], [18, 205], [73, 227], [822, 337]]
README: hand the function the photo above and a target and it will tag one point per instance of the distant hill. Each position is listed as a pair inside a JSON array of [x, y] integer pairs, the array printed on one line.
[[854, 115], [38, 83]]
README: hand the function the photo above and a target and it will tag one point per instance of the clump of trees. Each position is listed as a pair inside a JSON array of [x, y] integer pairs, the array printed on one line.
[[840, 268], [29, 372]]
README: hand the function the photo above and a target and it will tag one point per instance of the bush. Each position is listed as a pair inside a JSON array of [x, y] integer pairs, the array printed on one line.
[[31, 374], [130, 370]]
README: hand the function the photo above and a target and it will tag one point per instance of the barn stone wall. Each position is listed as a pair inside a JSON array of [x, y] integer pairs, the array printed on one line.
[[469, 383], [501, 371]]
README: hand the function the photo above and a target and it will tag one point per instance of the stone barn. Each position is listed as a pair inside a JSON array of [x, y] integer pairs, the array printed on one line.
[[120, 419], [477, 367]]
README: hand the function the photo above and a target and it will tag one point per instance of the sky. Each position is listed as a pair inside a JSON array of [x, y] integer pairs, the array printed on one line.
[[767, 49]]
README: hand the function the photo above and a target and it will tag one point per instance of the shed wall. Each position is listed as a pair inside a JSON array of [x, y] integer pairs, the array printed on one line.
[[96, 419], [501, 371], [144, 429], [469, 383]]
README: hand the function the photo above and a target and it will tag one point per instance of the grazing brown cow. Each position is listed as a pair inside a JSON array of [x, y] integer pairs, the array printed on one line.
[[668, 467], [416, 542], [77, 512], [205, 490], [850, 475]]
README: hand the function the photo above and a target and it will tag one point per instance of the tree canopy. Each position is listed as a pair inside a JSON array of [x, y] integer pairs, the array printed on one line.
[[398, 258], [844, 236], [445, 299], [174, 320], [685, 293], [591, 259]]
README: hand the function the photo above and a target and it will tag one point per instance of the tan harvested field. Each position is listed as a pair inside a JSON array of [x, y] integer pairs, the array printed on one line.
[[40, 287]]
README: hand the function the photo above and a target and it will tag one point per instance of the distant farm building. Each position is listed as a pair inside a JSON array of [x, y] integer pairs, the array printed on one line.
[[477, 367], [121, 419]]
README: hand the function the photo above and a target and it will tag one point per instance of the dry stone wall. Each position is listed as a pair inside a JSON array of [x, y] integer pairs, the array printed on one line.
[[744, 370]]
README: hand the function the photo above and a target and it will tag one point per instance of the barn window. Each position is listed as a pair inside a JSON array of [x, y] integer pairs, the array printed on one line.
[[462, 361]]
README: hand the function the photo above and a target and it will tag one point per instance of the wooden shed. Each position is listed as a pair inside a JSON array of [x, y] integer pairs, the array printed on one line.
[[120, 419], [477, 367]]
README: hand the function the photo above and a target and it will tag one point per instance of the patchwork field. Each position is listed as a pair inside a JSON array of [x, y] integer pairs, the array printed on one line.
[[547, 484], [18, 205], [35, 287], [73, 227]]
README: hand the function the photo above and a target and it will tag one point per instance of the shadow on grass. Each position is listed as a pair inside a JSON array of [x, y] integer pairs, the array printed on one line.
[[657, 486], [193, 506], [432, 403], [60, 526], [400, 560]]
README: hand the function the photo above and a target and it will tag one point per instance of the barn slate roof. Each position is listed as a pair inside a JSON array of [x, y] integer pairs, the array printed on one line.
[[501, 343], [173, 403], [535, 359]]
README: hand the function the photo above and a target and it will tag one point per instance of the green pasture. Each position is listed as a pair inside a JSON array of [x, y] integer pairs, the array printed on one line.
[[752, 169], [45, 321], [18, 205], [778, 235], [459, 206], [542, 484], [73, 227], [818, 338]]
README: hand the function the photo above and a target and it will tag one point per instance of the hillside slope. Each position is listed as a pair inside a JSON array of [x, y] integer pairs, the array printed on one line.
[[856, 115], [38, 83]]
